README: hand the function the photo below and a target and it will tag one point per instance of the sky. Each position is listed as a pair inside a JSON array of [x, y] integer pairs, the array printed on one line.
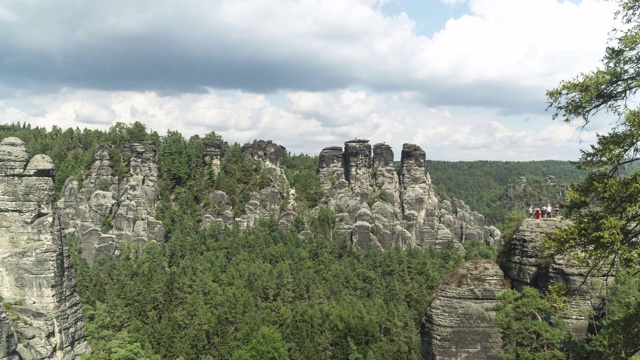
[[464, 79]]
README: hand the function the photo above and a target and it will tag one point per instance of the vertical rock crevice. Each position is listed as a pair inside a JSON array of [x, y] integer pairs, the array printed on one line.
[[37, 282]]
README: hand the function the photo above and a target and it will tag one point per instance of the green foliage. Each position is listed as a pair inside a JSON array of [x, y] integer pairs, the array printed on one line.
[[119, 168], [267, 344], [620, 327], [513, 219], [477, 249], [301, 171], [174, 159], [234, 294], [239, 176], [383, 196], [489, 187], [104, 185], [137, 132], [531, 327], [605, 206], [107, 224]]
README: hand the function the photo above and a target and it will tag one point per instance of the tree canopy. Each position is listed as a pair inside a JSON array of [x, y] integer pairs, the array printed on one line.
[[606, 205]]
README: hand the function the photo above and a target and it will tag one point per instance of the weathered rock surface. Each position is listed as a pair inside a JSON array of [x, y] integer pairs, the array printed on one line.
[[269, 201], [526, 263], [402, 208], [36, 274], [8, 340], [458, 323], [106, 211], [212, 152]]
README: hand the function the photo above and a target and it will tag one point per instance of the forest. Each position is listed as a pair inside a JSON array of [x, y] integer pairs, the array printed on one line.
[[226, 293], [491, 187]]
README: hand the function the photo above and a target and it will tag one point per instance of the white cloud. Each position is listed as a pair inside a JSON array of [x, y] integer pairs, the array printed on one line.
[[453, 2], [347, 70]]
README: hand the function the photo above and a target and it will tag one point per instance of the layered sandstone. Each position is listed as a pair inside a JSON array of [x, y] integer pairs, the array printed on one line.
[[42, 318], [381, 207], [458, 323], [526, 262], [106, 210]]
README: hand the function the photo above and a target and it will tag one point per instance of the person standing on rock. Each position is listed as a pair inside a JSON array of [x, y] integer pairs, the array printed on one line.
[[537, 211], [530, 211], [549, 209]]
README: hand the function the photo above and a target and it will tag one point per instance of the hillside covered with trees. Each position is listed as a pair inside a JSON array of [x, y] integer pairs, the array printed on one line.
[[496, 188], [226, 293]]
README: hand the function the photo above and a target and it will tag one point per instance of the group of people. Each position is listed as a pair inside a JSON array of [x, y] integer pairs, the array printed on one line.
[[543, 211]]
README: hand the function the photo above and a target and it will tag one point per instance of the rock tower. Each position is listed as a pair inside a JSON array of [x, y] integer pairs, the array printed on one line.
[[42, 318]]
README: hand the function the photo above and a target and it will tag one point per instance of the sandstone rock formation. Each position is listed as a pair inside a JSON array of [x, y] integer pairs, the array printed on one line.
[[380, 207], [212, 151], [105, 210], [526, 263], [8, 341], [43, 316], [458, 323], [269, 201]]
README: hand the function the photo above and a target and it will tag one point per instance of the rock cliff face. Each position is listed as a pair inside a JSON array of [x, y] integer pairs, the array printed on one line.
[[525, 263], [381, 207], [458, 323], [8, 341], [376, 205], [269, 201], [105, 210], [42, 318]]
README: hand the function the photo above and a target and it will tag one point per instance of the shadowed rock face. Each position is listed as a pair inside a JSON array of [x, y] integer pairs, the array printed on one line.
[[8, 340], [357, 164], [526, 263], [36, 275], [266, 151], [382, 155], [212, 152], [458, 323]]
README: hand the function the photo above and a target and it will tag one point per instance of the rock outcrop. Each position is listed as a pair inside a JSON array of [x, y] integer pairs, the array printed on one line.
[[8, 340], [377, 206], [273, 200], [458, 323], [212, 152], [43, 316], [526, 263], [106, 209]]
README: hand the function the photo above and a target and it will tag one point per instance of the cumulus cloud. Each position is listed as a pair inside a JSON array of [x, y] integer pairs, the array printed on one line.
[[517, 47], [310, 121], [346, 70]]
